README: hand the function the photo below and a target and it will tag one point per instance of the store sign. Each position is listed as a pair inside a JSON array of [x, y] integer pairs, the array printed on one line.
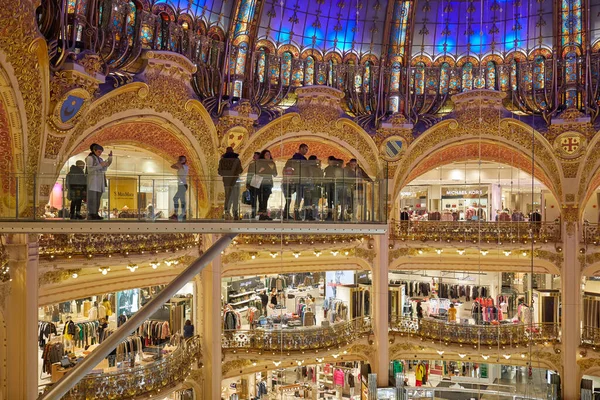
[[246, 284], [464, 192], [363, 277], [123, 193]]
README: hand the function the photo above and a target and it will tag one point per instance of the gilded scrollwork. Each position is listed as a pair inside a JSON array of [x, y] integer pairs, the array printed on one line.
[[53, 277]]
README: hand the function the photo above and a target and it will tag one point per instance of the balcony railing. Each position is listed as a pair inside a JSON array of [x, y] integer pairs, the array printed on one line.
[[317, 338], [142, 381], [590, 336], [475, 231], [507, 335], [150, 198], [68, 245]]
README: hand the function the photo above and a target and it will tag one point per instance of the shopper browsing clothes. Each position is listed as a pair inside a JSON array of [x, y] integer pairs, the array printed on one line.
[[76, 188], [230, 169], [182, 186], [96, 179], [419, 374]]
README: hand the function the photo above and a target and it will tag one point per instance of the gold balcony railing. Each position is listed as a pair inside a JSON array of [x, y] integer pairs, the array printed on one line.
[[146, 381], [474, 231], [71, 245], [505, 335], [317, 338], [590, 336]]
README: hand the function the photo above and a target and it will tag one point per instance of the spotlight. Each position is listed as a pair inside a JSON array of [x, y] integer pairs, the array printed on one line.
[[296, 254], [461, 251], [74, 276], [132, 267], [507, 253], [104, 270]]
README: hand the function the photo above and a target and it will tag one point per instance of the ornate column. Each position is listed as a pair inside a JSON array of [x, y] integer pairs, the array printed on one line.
[[20, 317], [571, 307], [210, 294], [381, 360]]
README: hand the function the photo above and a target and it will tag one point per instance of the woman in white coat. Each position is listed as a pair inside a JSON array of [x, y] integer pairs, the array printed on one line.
[[96, 180]]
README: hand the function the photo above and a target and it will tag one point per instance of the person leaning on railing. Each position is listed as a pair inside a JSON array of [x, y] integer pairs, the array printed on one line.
[[96, 179]]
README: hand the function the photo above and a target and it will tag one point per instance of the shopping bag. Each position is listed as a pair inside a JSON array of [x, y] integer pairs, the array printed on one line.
[[256, 181]]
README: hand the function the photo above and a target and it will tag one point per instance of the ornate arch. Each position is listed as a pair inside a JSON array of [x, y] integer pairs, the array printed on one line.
[[589, 172], [504, 141], [163, 96], [12, 140], [158, 137], [295, 127]]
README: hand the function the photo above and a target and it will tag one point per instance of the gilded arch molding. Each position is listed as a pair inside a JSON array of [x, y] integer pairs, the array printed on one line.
[[296, 126], [164, 97], [510, 134], [589, 176], [27, 51], [466, 263], [243, 265]]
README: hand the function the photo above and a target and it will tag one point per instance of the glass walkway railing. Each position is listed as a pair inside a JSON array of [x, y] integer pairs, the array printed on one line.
[[153, 198]]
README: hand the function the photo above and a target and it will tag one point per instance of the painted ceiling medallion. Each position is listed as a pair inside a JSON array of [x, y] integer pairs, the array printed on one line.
[[570, 145]]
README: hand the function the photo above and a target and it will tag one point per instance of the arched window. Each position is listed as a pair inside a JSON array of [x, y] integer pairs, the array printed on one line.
[[490, 76], [322, 73], [571, 79], [467, 77], [367, 77], [131, 20], [444, 78], [309, 76], [240, 62], [395, 77], [286, 68], [260, 65], [330, 73], [419, 80], [513, 75], [147, 36], [358, 78], [163, 32], [297, 73], [539, 72]]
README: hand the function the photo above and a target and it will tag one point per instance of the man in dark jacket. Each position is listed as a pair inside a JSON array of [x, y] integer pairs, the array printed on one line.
[[76, 188], [253, 191], [313, 194], [230, 169], [332, 181], [295, 173]]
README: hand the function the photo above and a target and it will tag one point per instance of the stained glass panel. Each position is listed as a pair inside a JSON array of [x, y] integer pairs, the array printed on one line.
[[131, 19], [444, 78], [286, 68], [147, 36], [490, 76], [420, 78], [467, 77], [309, 77], [539, 72], [240, 62], [260, 66], [395, 77]]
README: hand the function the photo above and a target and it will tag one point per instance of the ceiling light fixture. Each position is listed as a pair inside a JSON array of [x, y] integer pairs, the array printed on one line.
[[440, 352], [485, 357], [439, 251], [461, 251], [277, 363], [154, 264], [507, 356], [507, 253], [334, 253], [273, 254], [132, 267], [296, 254], [74, 276], [484, 252], [462, 355], [317, 253], [104, 270]]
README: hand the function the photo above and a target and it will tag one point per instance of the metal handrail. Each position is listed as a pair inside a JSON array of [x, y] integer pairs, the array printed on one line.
[[466, 231], [314, 338], [145, 380], [513, 334]]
